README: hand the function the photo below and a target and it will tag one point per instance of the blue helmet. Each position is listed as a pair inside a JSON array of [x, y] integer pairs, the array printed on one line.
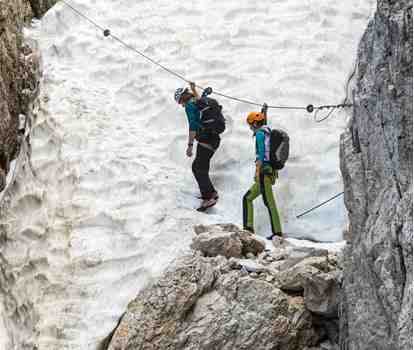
[[179, 93]]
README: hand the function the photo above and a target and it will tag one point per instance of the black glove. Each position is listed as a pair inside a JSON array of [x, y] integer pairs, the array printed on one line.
[[265, 108], [207, 91]]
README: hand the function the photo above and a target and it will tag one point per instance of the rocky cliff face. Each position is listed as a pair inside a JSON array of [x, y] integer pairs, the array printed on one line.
[[19, 88], [230, 294], [376, 163], [18, 74]]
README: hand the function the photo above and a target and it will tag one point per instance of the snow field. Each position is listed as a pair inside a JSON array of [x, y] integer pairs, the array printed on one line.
[[109, 145]]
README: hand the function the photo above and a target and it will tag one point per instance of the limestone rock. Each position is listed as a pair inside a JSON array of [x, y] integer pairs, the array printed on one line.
[[321, 293], [190, 309], [199, 304], [39, 7], [376, 164], [294, 279], [19, 74], [154, 317], [218, 243], [226, 240], [252, 266]]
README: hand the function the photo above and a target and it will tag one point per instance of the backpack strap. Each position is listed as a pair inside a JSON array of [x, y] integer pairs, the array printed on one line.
[[266, 129]]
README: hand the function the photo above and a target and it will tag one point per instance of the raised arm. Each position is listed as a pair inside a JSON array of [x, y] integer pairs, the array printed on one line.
[[194, 90], [264, 111]]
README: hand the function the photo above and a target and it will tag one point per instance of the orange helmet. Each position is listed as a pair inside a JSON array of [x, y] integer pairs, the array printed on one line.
[[255, 117]]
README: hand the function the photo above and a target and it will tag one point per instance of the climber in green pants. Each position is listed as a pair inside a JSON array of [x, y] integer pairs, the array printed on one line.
[[265, 177]]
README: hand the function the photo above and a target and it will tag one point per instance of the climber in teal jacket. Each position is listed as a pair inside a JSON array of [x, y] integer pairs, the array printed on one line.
[[208, 143], [265, 177]]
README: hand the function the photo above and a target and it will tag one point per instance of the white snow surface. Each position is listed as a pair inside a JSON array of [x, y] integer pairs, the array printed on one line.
[[119, 194]]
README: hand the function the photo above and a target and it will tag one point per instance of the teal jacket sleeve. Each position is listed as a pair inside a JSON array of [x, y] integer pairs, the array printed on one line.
[[260, 146], [193, 116]]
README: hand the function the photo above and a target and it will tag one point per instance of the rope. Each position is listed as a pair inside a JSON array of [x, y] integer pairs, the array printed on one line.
[[319, 205], [255, 103], [332, 109], [83, 16], [107, 32], [315, 116]]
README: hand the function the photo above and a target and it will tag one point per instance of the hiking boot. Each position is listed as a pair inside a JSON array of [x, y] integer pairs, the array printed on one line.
[[249, 229], [207, 203], [273, 235]]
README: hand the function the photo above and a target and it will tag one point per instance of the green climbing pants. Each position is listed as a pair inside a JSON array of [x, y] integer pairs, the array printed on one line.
[[262, 186]]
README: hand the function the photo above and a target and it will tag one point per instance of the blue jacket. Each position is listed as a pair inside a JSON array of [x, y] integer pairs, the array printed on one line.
[[262, 146], [193, 116]]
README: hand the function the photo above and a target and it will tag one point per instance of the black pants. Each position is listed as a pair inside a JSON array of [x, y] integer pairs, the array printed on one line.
[[201, 168]]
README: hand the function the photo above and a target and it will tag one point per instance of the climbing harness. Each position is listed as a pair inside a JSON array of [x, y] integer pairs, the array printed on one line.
[[310, 108], [319, 205]]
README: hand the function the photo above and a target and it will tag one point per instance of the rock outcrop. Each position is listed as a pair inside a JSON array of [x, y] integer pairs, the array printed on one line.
[[19, 76], [19, 88], [39, 7], [376, 163], [215, 240], [210, 299]]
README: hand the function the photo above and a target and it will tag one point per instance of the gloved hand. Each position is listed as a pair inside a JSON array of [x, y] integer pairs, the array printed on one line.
[[207, 91], [265, 108]]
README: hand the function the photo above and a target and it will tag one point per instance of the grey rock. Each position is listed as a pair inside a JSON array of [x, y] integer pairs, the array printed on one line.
[[194, 307], [39, 7], [226, 240], [321, 293], [295, 278], [19, 75], [197, 304], [218, 227], [326, 345], [305, 252], [19, 87], [251, 243], [218, 243], [376, 164], [279, 242], [270, 278], [234, 264], [250, 256], [159, 310], [252, 266], [243, 271], [292, 255]]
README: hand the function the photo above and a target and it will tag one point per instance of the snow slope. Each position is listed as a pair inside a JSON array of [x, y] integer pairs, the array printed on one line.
[[109, 143]]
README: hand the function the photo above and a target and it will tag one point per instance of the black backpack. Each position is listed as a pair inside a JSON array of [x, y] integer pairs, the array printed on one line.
[[211, 116], [279, 148]]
